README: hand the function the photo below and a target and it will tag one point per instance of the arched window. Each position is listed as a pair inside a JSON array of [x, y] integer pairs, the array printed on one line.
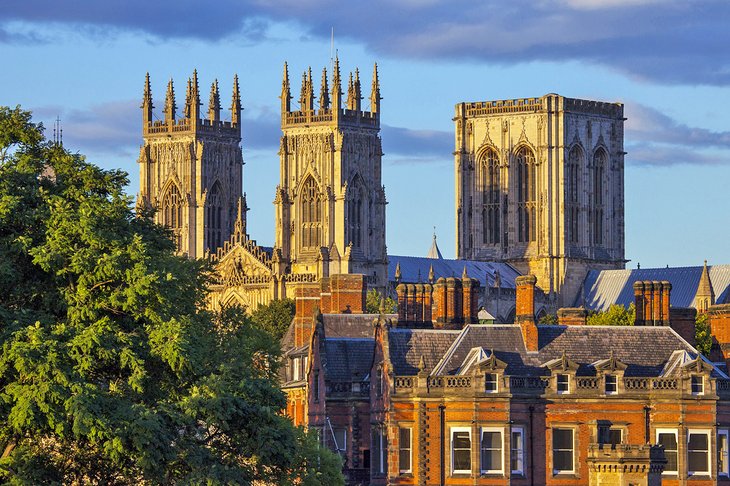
[[311, 206], [600, 159], [489, 166], [214, 217], [172, 213], [355, 196], [575, 162], [526, 195]]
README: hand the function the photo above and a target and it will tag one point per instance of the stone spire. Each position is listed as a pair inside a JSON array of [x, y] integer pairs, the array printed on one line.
[[306, 98], [170, 106], [375, 92], [358, 93], [236, 102], [214, 104], [285, 91], [336, 88], [350, 94], [464, 274], [434, 251], [188, 99], [324, 94], [195, 97], [398, 274], [147, 101], [705, 296], [239, 226], [431, 275]]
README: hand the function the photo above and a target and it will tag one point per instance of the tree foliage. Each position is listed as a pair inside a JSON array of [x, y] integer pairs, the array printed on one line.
[[616, 315], [111, 371], [372, 303], [275, 316], [703, 336]]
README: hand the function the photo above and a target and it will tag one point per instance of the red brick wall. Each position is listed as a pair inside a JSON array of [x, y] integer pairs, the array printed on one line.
[[348, 293], [720, 328]]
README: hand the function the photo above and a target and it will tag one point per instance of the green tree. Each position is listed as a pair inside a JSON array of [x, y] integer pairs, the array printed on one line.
[[616, 315], [111, 370], [548, 319], [703, 336], [275, 317], [372, 303]]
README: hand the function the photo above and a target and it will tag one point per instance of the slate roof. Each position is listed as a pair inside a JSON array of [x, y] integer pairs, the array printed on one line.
[[348, 359], [414, 269], [603, 288], [644, 349]]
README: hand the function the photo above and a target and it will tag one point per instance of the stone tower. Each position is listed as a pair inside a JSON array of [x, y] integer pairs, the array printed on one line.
[[190, 168], [330, 202], [539, 184]]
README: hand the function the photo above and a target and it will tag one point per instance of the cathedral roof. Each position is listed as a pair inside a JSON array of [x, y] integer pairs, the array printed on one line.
[[415, 269], [434, 251], [603, 288]]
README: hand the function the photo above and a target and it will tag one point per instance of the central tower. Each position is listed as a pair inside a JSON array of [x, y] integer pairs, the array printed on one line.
[[330, 202]]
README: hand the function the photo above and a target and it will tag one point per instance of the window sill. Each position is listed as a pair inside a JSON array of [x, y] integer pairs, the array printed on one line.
[[565, 475]]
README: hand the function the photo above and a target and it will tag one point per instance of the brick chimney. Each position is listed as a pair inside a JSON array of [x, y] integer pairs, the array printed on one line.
[[449, 303], [525, 310], [306, 299], [348, 293], [653, 301], [720, 329], [572, 316]]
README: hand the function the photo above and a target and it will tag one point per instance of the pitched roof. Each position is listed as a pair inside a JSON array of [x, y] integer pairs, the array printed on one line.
[[645, 350], [434, 252], [414, 269], [348, 359], [603, 288]]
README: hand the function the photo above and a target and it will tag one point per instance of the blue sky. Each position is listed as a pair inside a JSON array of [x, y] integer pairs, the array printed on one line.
[[667, 61]]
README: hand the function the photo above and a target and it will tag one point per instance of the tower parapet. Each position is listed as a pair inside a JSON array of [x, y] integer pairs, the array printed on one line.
[[330, 109]]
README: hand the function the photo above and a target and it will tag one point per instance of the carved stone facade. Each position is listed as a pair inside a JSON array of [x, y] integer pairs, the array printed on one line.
[[330, 201], [191, 168], [539, 184]]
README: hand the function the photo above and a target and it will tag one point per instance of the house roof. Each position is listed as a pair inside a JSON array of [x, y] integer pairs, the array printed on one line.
[[348, 359], [415, 269], [601, 289], [645, 349]]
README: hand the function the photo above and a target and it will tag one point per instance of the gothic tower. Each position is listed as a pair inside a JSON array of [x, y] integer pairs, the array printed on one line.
[[540, 185], [330, 202], [190, 167]]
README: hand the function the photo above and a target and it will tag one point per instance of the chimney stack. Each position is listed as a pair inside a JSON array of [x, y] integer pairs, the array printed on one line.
[[525, 310]]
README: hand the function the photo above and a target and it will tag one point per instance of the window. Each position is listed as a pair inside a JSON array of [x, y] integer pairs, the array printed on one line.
[[491, 451], [404, 452], [490, 197], [668, 439], [311, 205], [611, 384], [600, 159], [461, 450], [315, 386], [698, 452], [723, 468], [172, 204], [609, 435], [379, 449], [563, 384], [214, 220], [517, 452], [295, 372], [526, 195], [698, 385], [339, 435], [563, 451], [575, 159], [355, 197], [379, 383], [490, 383]]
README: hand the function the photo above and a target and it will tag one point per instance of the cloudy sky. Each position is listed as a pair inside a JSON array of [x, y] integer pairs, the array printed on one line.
[[668, 61]]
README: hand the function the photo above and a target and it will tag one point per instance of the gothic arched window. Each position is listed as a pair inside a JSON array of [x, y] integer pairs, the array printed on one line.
[[172, 213], [214, 217], [526, 195], [355, 196], [575, 162], [311, 206], [600, 159], [489, 166]]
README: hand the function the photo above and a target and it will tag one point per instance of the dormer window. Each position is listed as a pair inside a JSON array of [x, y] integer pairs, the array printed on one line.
[[563, 384], [698, 385], [491, 383], [611, 385]]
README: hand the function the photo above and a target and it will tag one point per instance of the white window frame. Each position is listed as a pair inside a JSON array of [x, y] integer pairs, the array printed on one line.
[[701, 383], [340, 447], [707, 433], [295, 371], [572, 450], [615, 384], [567, 384], [452, 431], [520, 451], [495, 381], [500, 431], [675, 432], [723, 455], [409, 449]]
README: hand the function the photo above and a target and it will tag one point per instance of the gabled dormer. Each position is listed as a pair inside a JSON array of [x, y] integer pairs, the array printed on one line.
[[611, 373], [562, 374]]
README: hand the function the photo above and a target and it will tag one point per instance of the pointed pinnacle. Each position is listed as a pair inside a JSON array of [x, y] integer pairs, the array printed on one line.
[[464, 274]]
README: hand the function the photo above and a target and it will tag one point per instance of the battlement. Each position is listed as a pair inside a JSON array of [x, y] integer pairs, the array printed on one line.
[[331, 110], [192, 120], [534, 105]]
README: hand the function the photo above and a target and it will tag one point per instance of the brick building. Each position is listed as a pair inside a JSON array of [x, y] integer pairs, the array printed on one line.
[[418, 400]]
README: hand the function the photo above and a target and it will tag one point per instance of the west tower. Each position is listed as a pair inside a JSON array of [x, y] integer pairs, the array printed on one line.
[[539, 184], [330, 202], [191, 167]]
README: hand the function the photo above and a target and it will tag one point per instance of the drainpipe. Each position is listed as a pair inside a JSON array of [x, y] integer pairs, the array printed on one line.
[[532, 449], [442, 424], [647, 424]]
